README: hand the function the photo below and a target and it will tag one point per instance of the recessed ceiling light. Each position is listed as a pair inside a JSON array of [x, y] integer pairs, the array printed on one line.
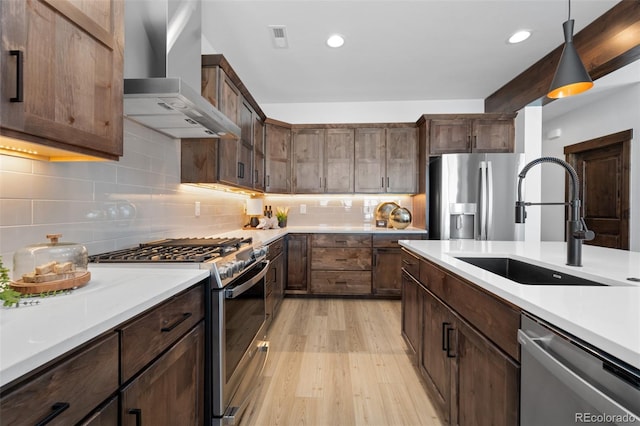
[[519, 36], [336, 40]]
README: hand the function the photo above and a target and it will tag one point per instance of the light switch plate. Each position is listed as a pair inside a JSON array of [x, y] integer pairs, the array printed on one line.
[[303, 209]]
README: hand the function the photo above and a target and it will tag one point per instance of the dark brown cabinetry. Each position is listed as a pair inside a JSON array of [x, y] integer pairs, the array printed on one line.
[[471, 133], [171, 389], [275, 280], [386, 274], [297, 263], [467, 346], [107, 415], [323, 160], [62, 77], [341, 264], [258, 154], [63, 393], [278, 157], [386, 160]]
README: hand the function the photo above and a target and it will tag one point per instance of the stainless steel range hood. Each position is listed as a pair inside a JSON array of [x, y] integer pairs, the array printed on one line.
[[162, 69]]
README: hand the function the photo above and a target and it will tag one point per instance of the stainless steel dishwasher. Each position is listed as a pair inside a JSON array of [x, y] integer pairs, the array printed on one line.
[[565, 381]]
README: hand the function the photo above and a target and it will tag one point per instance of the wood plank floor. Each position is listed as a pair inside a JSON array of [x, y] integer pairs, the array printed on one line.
[[339, 362]]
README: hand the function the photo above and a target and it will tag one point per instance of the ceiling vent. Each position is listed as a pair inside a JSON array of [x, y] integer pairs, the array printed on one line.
[[279, 36]]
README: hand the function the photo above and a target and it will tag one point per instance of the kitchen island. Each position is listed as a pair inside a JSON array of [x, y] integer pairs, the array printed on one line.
[[607, 317]]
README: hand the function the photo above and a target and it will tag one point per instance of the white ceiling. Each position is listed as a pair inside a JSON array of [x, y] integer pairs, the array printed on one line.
[[395, 50]]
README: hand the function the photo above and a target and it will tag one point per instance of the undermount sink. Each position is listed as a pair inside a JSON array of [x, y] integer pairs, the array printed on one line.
[[526, 273]]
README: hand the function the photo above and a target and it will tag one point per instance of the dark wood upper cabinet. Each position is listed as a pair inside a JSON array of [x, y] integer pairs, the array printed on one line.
[[69, 93], [277, 157], [460, 133], [339, 160]]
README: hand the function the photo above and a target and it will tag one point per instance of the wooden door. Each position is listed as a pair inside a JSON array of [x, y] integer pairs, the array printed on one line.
[[487, 382], [297, 263], [72, 74], [603, 167], [448, 136], [228, 98], [493, 135], [258, 154], [411, 312], [387, 271], [370, 170], [338, 160], [434, 363], [308, 154], [278, 161], [402, 160], [171, 390]]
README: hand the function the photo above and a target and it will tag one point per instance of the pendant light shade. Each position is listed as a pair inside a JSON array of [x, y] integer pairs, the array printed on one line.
[[571, 76]]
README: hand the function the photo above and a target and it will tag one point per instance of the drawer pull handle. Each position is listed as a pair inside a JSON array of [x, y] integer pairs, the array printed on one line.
[[341, 260], [19, 54], [406, 262], [138, 413], [177, 323], [56, 410], [341, 282], [341, 241]]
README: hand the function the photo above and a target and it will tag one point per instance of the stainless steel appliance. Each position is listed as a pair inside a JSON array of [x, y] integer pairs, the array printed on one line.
[[236, 347], [472, 196], [566, 381]]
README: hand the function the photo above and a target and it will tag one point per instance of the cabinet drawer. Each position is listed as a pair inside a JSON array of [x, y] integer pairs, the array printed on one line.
[[146, 337], [340, 282], [411, 264], [432, 277], [341, 240], [84, 380], [341, 259], [275, 248], [391, 241]]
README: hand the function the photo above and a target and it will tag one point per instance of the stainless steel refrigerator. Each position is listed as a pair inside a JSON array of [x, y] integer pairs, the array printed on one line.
[[472, 196]]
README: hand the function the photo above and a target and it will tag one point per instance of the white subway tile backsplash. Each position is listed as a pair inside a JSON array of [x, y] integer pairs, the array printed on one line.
[[15, 212]]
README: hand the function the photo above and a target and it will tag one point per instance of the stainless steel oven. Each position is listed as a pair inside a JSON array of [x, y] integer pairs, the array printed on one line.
[[238, 341], [236, 347]]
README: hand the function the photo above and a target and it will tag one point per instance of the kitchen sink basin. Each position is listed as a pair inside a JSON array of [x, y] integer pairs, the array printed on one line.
[[526, 273]]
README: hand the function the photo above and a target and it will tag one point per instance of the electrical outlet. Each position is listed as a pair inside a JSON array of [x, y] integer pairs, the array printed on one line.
[[303, 209], [197, 212]]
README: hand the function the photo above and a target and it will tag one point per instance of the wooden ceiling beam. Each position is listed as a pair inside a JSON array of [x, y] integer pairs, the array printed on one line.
[[607, 44]]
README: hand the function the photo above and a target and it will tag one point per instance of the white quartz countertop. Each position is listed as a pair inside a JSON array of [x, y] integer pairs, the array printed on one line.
[[607, 317], [31, 336], [266, 236]]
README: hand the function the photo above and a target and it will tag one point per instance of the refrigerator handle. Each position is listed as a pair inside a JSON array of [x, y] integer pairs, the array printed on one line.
[[482, 202], [489, 205]]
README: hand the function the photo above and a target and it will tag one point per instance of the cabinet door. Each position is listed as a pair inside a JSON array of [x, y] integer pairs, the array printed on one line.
[[488, 392], [411, 312], [171, 390], [278, 286], [278, 160], [438, 348], [402, 160], [72, 76], [245, 147], [297, 263], [370, 170], [308, 154], [228, 161], [338, 160], [450, 136], [387, 272], [493, 135], [229, 97], [258, 154]]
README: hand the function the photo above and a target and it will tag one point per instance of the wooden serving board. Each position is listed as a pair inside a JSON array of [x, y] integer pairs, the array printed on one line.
[[35, 288]]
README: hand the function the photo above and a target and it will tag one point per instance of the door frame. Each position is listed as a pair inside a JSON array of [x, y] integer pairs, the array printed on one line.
[[624, 138]]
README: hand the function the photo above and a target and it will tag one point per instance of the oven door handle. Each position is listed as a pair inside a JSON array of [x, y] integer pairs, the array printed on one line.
[[566, 375], [232, 293]]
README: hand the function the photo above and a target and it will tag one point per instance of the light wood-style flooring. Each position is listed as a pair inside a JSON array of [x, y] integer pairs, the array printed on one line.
[[339, 362]]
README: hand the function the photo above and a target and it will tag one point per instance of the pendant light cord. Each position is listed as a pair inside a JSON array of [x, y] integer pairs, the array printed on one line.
[[569, 18]]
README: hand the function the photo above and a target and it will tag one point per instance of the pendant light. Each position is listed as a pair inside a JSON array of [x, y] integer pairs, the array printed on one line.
[[571, 76]]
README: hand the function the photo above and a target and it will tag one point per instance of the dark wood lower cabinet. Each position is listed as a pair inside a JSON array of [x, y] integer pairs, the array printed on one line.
[[472, 380], [170, 390], [297, 263], [385, 277]]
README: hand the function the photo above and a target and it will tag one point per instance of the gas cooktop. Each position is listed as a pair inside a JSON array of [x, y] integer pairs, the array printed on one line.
[[197, 250]]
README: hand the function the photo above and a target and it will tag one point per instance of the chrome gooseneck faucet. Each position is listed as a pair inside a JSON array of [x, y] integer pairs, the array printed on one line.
[[576, 228]]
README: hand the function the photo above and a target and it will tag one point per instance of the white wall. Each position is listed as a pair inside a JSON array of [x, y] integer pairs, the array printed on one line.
[[367, 112], [616, 110], [85, 201]]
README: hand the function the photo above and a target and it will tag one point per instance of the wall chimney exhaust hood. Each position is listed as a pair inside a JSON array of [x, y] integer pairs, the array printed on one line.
[[162, 69]]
